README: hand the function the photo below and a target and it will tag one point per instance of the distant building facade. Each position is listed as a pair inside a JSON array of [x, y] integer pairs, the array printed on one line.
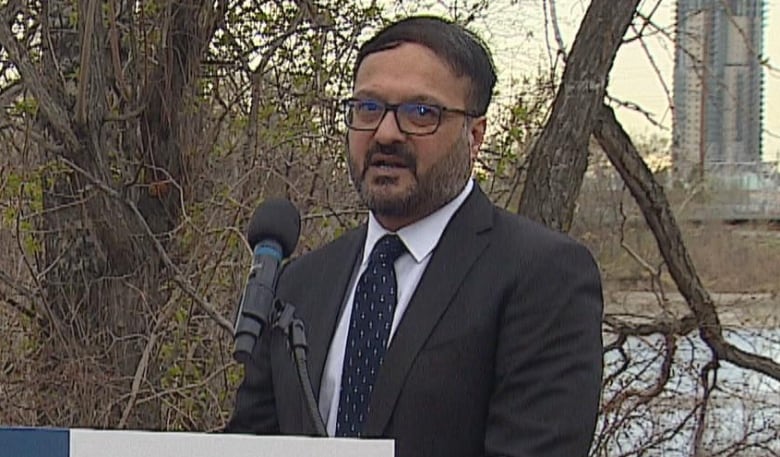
[[717, 84]]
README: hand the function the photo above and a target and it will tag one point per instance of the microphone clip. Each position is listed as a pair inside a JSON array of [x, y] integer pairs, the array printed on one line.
[[285, 320], [283, 315]]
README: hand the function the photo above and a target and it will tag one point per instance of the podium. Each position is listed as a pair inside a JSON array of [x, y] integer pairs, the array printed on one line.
[[48, 442]]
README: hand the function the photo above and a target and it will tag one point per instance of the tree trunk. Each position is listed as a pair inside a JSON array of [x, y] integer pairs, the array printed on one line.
[[559, 157]]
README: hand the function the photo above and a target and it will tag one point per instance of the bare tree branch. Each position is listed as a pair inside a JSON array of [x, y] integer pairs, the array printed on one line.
[[634, 107], [140, 372], [24, 310], [557, 29], [49, 107], [16, 286], [10, 92], [82, 101], [679, 327], [654, 205]]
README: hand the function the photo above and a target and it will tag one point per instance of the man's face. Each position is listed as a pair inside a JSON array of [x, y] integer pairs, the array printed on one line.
[[403, 178]]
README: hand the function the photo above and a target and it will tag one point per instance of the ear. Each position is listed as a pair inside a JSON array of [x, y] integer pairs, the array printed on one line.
[[476, 135]]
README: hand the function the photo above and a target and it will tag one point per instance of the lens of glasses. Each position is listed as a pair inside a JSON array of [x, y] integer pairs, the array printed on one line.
[[411, 118], [364, 114], [418, 117]]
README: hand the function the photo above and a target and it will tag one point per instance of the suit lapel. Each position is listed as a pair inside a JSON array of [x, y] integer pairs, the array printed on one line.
[[460, 246], [333, 288]]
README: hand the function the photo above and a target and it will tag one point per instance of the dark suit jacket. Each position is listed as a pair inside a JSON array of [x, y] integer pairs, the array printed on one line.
[[498, 353]]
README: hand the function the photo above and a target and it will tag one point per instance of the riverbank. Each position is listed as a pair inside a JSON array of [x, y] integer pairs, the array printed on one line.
[[753, 310]]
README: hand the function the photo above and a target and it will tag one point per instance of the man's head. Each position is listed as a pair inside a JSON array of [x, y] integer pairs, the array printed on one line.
[[421, 90], [461, 49]]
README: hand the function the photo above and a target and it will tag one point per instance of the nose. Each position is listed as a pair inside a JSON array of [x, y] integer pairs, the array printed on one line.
[[388, 131]]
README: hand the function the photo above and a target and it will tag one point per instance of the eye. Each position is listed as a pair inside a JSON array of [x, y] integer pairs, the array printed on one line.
[[420, 113], [368, 106]]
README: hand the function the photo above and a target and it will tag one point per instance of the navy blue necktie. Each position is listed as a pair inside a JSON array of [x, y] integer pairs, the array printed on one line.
[[369, 331]]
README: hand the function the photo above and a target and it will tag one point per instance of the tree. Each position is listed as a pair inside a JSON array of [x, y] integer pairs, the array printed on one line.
[[558, 160], [121, 110], [109, 145]]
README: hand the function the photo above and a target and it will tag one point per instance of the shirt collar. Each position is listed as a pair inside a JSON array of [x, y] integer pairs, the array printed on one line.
[[420, 237]]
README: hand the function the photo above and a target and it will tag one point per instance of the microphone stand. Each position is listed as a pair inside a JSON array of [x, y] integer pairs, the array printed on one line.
[[295, 331]]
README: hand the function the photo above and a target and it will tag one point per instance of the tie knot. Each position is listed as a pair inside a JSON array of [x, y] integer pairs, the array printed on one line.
[[387, 249]]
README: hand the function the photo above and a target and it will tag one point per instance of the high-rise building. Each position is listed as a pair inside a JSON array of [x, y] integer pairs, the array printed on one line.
[[717, 83]]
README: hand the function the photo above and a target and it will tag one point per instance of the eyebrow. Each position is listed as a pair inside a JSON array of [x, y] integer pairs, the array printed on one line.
[[424, 99], [420, 98]]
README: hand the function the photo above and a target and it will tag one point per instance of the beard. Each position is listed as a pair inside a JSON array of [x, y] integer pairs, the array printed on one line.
[[428, 192]]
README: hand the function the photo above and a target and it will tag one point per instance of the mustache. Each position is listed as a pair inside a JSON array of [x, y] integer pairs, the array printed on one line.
[[400, 151]]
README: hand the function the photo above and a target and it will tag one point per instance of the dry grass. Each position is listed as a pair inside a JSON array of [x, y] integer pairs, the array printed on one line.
[[728, 258], [737, 263], [737, 258]]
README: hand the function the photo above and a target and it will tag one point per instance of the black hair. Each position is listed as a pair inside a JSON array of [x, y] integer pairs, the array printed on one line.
[[464, 51]]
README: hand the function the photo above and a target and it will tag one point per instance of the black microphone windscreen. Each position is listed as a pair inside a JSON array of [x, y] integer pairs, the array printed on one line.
[[275, 219]]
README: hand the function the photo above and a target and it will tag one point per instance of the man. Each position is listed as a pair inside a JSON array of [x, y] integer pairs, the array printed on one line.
[[444, 323]]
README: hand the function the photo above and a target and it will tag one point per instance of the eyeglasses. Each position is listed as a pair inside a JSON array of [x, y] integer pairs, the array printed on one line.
[[411, 118]]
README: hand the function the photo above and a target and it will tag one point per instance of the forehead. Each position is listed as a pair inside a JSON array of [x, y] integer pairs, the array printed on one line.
[[410, 71]]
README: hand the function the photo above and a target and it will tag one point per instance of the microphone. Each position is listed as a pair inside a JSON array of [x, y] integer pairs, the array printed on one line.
[[273, 234]]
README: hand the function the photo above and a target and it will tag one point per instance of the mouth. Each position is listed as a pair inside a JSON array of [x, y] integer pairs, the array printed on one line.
[[387, 162]]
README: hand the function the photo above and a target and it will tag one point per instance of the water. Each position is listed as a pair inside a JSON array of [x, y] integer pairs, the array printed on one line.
[[742, 416]]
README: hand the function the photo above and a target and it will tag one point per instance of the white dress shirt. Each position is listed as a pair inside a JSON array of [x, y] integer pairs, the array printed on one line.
[[420, 239]]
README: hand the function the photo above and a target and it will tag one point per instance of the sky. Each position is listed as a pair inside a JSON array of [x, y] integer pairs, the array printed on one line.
[[515, 31], [632, 70]]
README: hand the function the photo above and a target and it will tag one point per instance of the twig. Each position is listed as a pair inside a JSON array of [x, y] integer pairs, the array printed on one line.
[[701, 420], [638, 258], [85, 64], [557, 30], [657, 70], [634, 107], [646, 395], [17, 286], [25, 311], [132, 114], [140, 371]]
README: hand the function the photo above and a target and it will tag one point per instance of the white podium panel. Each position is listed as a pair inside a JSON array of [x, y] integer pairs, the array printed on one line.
[[31, 442]]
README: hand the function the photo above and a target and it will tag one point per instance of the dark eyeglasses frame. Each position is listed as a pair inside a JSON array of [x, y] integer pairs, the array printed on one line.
[[346, 104]]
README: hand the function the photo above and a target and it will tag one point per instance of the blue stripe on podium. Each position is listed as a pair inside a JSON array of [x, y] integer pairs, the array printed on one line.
[[34, 442]]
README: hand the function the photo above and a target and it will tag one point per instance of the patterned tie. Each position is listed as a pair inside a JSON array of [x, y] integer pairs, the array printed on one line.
[[369, 331]]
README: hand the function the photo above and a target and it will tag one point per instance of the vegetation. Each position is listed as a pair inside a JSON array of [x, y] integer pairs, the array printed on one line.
[[138, 136]]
